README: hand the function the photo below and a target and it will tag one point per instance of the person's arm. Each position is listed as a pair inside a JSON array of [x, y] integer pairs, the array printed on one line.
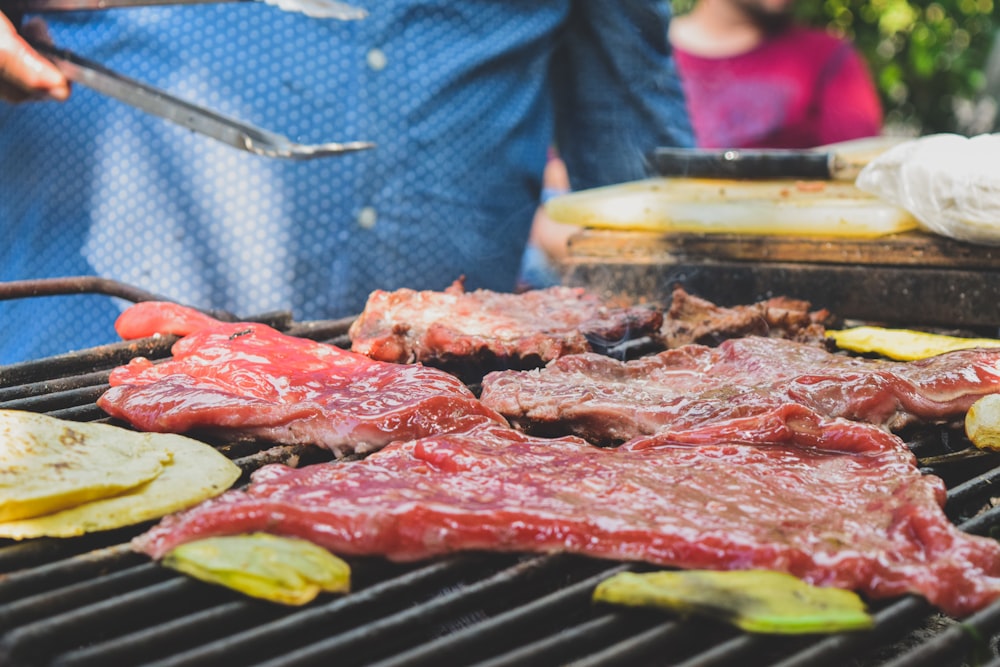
[[849, 104], [24, 74], [547, 234]]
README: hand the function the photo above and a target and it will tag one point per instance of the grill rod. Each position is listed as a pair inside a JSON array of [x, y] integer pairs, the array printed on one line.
[[20, 289]]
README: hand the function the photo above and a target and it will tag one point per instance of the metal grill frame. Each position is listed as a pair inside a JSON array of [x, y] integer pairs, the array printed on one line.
[[93, 601]]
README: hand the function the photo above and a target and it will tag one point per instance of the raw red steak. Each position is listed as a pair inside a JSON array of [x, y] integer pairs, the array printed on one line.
[[148, 318], [492, 329], [605, 401], [249, 380], [834, 502]]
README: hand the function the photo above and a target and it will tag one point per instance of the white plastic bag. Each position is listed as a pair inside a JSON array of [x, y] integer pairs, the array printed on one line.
[[948, 182]]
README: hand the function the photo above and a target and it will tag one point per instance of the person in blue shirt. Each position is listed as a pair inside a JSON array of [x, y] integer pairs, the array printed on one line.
[[461, 98]]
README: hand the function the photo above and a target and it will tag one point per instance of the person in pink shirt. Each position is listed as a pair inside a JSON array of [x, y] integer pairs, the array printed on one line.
[[753, 78]]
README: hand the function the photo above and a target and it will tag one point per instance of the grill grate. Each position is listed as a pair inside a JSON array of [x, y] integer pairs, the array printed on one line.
[[90, 601]]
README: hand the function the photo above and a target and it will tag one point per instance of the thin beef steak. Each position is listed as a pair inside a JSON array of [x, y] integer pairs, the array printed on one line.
[[248, 380], [482, 329], [607, 401], [836, 503]]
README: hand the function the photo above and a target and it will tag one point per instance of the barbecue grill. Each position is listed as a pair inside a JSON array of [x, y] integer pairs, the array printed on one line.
[[92, 601]]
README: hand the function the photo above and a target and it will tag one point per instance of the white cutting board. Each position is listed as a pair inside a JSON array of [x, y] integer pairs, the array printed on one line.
[[806, 208]]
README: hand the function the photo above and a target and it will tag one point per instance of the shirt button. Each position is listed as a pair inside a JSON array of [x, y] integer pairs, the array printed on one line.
[[367, 217], [376, 59]]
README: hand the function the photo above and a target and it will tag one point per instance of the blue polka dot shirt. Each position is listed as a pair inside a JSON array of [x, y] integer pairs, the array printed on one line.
[[462, 99]]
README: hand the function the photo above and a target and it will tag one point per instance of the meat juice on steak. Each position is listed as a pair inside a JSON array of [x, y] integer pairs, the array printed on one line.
[[606, 401], [849, 507], [249, 380], [836, 503], [483, 329]]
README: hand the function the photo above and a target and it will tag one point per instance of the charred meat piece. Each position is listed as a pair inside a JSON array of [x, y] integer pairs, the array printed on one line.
[[608, 401], [836, 503], [692, 319], [466, 332], [246, 380]]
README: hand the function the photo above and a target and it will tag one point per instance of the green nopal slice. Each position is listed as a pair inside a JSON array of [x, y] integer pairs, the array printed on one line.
[[754, 600], [286, 570]]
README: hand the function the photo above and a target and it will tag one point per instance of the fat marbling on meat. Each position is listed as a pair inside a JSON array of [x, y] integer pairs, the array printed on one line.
[[483, 329], [607, 401], [834, 502]]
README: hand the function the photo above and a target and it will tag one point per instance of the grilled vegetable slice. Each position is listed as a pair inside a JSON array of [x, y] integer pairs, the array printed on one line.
[[286, 570], [982, 423], [754, 600], [49, 464], [195, 472], [904, 344]]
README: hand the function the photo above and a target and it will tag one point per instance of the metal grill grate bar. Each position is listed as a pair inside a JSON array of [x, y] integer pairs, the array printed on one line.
[[105, 357], [638, 649], [387, 633], [169, 637], [981, 484], [959, 641], [291, 629], [982, 524], [742, 649], [38, 553], [49, 604], [114, 603], [523, 621], [72, 399], [97, 378], [587, 637], [64, 573], [890, 623]]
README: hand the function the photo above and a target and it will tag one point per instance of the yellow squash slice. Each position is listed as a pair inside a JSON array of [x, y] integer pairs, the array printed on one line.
[[904, 344]]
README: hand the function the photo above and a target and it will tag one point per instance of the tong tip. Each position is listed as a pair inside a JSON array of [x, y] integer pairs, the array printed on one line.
[[304, 151], [322, 9]]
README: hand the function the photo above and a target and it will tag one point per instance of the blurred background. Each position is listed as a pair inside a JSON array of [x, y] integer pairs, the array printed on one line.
[[936, 64]]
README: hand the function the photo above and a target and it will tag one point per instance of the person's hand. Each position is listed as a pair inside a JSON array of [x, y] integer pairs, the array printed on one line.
[[24, 74]]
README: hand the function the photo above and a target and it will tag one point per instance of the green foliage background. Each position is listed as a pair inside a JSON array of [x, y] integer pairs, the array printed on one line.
[[934, 62]]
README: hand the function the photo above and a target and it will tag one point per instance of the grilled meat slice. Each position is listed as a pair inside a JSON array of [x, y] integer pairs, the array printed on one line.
[[247, 380], [835, 502], [608, 401], [692, 319], [470, 332]]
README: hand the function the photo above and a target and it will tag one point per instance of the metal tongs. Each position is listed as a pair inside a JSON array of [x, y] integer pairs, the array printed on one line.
[[323, 9], [160, 103]]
